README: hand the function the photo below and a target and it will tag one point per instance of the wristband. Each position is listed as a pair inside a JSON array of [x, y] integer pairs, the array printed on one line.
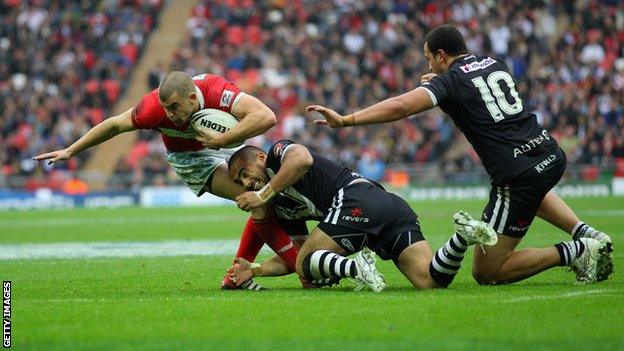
[[349, 120], [266, 193], [256, 270]]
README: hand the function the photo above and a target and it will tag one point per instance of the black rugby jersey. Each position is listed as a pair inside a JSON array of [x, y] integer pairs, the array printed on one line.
[[480, 95], [311, 196]]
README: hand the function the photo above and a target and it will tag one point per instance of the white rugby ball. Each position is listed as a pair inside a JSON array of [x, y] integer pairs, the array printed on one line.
[[214, 121]]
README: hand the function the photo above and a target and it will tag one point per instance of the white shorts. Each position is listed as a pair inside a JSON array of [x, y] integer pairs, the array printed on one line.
[[196, 167]]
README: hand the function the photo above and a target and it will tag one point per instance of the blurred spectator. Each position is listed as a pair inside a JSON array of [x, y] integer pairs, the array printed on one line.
[[62, 66]]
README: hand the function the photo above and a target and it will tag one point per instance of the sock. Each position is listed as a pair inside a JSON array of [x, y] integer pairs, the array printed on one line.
[[273, 235], [250, 242], [569, 251], [447, 260], [581, 230], [322, 264]]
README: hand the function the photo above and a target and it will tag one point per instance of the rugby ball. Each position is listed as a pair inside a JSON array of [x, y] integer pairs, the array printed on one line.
[[214, 121]]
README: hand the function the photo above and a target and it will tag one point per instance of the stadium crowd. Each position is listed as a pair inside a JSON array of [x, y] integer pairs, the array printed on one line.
[[568, 58], [63, 65]]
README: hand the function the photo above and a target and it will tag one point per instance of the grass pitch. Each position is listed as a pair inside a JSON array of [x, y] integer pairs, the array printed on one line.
[[173, 303]]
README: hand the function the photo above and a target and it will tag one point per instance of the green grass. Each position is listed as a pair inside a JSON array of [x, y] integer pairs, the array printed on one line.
[[173, 303]]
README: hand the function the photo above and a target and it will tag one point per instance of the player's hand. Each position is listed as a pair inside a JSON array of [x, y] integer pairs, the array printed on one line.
[[248, 201], [332, 118], [210, 140], [54, 156], [240, 272], [427, 77]]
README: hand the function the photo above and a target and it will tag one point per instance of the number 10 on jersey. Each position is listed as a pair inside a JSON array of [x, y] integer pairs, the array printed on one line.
[[498, 102]]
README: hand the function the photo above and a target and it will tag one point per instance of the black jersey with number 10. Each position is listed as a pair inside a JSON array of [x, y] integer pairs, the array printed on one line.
[[480, 95]]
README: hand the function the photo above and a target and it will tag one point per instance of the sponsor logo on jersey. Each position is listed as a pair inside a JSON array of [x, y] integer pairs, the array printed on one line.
[[356, 219], [226, 98], [532, 144], [346, 243], [356, 212], [471, 67], [545, 163]]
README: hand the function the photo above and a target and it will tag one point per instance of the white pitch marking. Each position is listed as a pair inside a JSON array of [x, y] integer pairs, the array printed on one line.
[[564, 295], [41, 222], [82, 250]]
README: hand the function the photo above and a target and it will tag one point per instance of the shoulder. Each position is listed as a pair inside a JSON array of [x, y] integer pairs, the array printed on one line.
[[279, 148], [147, 113]]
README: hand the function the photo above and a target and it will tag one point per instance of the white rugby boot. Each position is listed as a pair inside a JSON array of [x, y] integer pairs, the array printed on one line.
[[474, 231], [367, 272]]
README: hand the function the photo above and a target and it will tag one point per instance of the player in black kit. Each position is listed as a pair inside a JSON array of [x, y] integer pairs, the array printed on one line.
[[523, 160], [354, 214]]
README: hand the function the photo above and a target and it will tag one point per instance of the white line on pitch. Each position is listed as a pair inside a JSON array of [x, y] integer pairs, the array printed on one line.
[[118, 249], [564, 295], [45, 222]]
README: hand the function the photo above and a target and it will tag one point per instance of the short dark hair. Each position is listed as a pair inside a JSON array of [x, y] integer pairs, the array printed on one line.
[[247, 153], [447, 38], [175, 82]]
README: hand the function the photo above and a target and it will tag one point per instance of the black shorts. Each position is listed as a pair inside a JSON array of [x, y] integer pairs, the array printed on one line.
[[364, 214], [296, 229], [513, 206]]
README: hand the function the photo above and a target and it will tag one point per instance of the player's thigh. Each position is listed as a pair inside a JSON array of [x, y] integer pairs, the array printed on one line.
[[222, 185], [317, 240], [513, 206], [414, 263], [489, 259]]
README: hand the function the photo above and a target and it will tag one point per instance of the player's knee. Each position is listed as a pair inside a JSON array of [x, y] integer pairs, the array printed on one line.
[[302, 264], [484, 277]]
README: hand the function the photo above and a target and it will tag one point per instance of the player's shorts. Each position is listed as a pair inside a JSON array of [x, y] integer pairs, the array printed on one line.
[[513, 206], [196, 167], [364, 214], [296, 229]]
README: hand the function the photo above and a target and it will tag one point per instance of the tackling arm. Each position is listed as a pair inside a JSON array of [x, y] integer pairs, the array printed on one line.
[[96, 135], [243, 270], [389, 110]]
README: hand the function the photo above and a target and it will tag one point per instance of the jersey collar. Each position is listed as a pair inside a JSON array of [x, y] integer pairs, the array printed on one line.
[[200, 97]]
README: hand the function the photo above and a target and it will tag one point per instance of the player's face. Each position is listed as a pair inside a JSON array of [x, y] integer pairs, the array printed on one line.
[[435, 65], [178, 108], [252, 175]]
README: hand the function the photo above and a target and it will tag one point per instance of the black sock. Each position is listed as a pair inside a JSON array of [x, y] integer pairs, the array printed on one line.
[[569, 251], [447, 260], [324, 264]]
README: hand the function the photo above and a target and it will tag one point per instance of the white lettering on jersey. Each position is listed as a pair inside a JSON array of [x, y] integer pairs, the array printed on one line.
[[226, 98], [478, 65]]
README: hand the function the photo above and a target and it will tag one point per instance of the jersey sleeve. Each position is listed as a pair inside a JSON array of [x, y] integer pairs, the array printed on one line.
[[219, 93], [148, 113], [276, 153], [439, 88]]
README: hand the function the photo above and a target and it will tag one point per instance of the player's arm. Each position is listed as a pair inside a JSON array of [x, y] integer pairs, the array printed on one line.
[[255, 118], [243, 270], [295, 162], [389, 110], [107, 129]]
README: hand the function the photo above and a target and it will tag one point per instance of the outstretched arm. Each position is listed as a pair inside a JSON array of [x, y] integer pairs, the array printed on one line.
[[243, 270], [96, 135], [389, 110]]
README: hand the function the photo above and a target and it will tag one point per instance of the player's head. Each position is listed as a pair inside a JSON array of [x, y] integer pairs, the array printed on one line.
[[442, 46], [247, 167], [176, 94]]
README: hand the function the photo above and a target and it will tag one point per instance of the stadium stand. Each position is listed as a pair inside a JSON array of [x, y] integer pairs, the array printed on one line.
[[62, 66], [568, 58]]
